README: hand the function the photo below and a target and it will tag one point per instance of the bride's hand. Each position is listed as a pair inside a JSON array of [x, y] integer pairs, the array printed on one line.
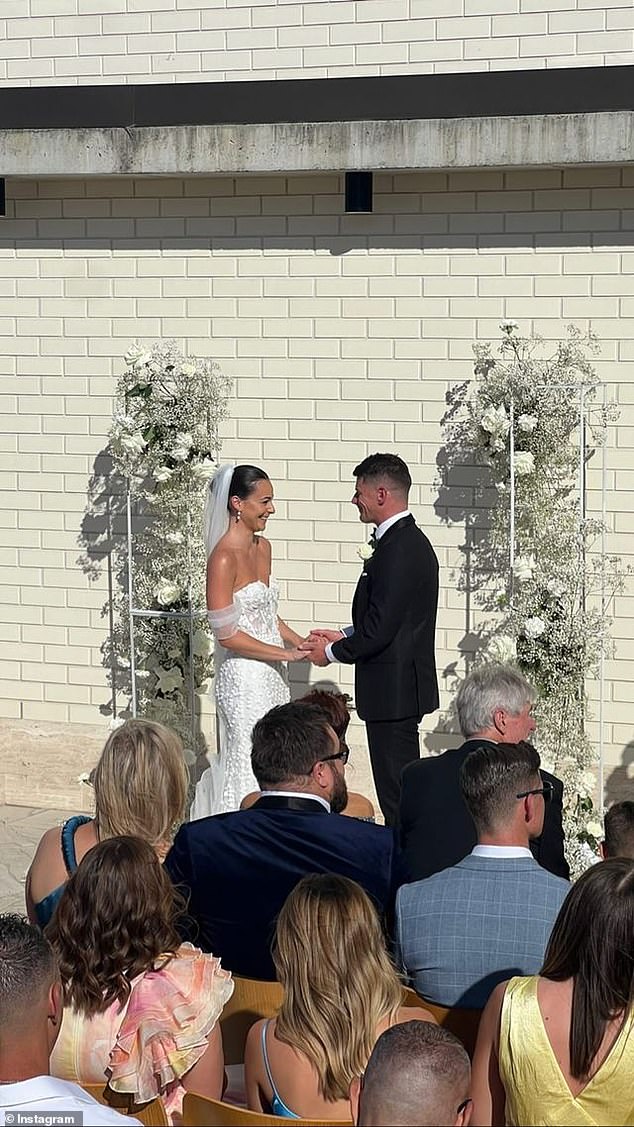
[[296, 655]]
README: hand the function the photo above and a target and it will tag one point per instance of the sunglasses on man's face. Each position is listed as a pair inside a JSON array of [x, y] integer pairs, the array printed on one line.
[[546, 790]]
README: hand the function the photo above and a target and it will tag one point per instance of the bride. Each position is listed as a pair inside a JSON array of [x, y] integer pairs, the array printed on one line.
[[252, 642]]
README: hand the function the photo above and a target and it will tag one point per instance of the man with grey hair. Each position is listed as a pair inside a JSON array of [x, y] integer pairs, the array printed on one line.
[[418, 1074], [494, 705]]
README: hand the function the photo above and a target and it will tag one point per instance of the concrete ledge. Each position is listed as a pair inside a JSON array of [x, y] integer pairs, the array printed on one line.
[[440, 143], [40, 763]]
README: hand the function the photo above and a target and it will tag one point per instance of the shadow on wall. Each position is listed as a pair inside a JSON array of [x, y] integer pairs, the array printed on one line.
[[620, 784]]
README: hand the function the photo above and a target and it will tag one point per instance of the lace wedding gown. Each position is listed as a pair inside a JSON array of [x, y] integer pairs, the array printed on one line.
[[244, 691]]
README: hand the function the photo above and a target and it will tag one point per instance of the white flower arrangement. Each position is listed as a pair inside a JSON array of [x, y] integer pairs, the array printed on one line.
[[365, 551], [164, 441], [548, 619]]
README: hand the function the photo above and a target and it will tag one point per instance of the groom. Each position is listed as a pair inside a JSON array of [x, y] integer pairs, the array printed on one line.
[[391, 640]]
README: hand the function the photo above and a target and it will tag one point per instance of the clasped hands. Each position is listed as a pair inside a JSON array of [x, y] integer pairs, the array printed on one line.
[[314, 646]]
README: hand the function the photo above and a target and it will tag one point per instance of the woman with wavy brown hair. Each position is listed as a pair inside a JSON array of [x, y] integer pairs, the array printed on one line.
[[141, 1008], [340, 993], [140, 786]]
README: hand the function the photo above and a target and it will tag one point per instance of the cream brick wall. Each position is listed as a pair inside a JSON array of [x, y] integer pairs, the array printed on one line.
[[44, 42], [342, 333]]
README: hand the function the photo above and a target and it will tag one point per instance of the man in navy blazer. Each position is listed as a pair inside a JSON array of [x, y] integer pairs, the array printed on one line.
[[237, 869], [494, 705], [464, 930], [391, 640]]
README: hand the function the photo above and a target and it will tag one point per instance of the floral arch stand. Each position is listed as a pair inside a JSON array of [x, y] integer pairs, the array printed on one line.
[[538, 560]]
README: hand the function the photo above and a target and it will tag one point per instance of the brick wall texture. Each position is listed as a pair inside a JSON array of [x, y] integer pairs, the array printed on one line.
[[105, 41]]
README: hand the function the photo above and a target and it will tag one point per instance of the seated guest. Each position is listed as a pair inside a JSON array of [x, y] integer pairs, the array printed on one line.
[[237, 869], [141, 1008], [31, 1007], [558, 1047], [140, 789], [619, 831], [494, 706], [462, 931], [418, 1076], [335, 705], [340, 992]]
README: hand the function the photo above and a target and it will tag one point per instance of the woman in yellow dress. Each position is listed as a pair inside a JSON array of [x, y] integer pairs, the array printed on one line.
[[557, 1048]]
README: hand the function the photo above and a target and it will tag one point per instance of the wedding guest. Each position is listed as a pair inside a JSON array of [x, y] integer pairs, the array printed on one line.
[[340, 993], [558, 1047], [619, 831], [140, 787], [237, 869], [335, 705], [252, 641], [463, 930], [418, 1075], [31, 1007], [142, 1008], [495, 705]]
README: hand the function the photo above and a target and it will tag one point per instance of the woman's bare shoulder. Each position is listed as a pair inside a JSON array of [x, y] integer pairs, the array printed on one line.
[[415, 1013]]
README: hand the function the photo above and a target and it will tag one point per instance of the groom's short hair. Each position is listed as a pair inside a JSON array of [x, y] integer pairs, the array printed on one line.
[[386, 467], [288, 741]]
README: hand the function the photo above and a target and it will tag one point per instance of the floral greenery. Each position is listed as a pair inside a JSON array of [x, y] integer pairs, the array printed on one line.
[[550, 614], [164, 441]]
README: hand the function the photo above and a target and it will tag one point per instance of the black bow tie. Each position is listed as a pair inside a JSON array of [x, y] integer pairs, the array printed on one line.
[[373, 541]]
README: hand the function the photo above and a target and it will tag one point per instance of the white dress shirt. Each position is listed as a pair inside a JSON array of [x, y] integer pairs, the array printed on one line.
[[47, 1096], [379, 531], [294, 794], [496, 851]]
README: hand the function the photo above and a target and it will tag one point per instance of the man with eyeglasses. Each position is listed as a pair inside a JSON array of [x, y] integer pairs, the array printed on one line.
[[462, 931], [418, 1075], [237, 869]]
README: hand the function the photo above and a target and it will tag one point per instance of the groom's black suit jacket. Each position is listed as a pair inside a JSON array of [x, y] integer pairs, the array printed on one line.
[[436, 829], [394, 619]]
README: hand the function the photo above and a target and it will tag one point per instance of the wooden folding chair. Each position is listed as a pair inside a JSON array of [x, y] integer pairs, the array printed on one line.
[[462, 1023], [153, 1114], [250, 1001], [200, 1111]]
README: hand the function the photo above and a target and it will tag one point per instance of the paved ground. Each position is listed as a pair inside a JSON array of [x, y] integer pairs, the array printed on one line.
[[20, 830]]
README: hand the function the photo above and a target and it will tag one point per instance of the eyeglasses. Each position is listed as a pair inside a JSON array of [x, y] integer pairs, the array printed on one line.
[[343, 754], [547, 791]]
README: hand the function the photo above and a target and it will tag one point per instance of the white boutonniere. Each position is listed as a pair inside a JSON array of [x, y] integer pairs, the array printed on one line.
[[366, 551]]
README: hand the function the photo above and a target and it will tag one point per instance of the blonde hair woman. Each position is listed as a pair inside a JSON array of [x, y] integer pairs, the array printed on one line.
[[340, 993], [140, 786]]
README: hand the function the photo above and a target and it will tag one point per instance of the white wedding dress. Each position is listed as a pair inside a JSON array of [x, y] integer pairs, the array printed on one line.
[[244, 691]]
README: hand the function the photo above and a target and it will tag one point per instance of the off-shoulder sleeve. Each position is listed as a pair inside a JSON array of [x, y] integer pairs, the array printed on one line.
[[224, 623], [170, 1014]]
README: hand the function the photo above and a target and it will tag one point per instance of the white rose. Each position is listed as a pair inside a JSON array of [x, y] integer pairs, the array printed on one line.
[[523, 568], [142, 359], [502, 648], [501, 486], [174, 537], [133, 353], [167, 593], [189, 756], [524, 463], [163, 473], [495, 421], [202, 644], [84, 777], [188, 369], [534, 628], [116, 722], [527, 423], [365, 551], [202, 471], [182, 446], [556, 588], [595, 829], [509, 326], [168, 679], [133, 443]]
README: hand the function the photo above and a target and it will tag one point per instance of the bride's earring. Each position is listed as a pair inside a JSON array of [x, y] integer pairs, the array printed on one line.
[[238, 515]]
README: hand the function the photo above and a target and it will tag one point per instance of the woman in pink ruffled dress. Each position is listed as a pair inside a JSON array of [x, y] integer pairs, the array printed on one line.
[[141, 1008]]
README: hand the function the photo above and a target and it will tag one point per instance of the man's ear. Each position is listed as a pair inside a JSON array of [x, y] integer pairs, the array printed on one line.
[[602, 851], [353, 1096], [55, 1011], [464, 1117], [499, 720]]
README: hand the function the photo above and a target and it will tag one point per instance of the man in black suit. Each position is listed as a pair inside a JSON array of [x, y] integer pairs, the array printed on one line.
[[494, 705], [391, 640], [237, 869]]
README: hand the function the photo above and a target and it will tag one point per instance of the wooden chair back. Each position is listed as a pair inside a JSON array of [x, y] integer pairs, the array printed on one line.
[[153, 1114], [462, 1023], [200, 1111], [250, 1001]]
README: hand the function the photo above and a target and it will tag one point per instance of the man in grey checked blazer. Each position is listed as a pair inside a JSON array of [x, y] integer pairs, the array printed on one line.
[[462, 931]]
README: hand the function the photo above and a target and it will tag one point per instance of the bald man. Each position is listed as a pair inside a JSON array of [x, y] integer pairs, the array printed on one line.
[[418, 1076]]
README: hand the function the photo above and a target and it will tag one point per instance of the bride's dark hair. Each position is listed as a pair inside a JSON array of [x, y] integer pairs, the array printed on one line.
[[243, 480]]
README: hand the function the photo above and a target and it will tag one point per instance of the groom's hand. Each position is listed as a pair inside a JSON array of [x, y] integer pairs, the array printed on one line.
[[317, 633], [315, 648]]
